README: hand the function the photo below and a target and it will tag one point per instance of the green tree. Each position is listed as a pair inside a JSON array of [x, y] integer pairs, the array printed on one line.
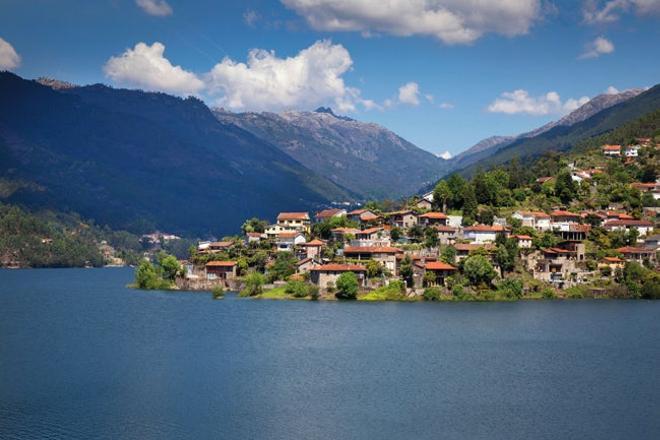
[[254, 225], [470, 204], [347, 286], [441, 195], [395, 234], [478, 270], [431, 238], [283, 267], [406, 270], [170, 266], [448, 255], [565, 187], [374, 269], [147, 276]]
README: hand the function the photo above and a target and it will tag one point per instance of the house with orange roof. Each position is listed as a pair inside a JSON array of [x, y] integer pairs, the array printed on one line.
[[402, 219], [611, 150], [613, 263], [221, 270], [524, 241], [313, 248], [638, 254], [299, 221], [343, 234], [643, 227], [327, 214], [433, 218], [287, 241], [325, 276], [385, 255], [440, 270], [446, 234], [364, 217], [483, 233]]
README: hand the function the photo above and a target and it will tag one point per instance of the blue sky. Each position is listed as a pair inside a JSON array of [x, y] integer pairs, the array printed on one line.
[[441, 73]]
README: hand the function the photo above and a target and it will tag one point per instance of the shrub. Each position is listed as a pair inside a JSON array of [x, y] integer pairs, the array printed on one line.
[[254, 283], [300, 289], [347, 286], [548, 293], [432, 294], [218, 292], [511, 288]]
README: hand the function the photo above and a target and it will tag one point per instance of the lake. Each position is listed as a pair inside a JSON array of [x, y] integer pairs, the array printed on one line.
[[82, 356]]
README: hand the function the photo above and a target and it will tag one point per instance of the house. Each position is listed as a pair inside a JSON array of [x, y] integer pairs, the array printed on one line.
[[638, 254], [402, 219], [560, 217], [652, 242], [440, 270], [645, 187], [611, 150], [363, 217], [221, 270], [305, 265], [255, 237], [219, 246], [534, 219], [572, 231], [463, 250], [613, 263], [327, 214], [299, 221], [524, 241], [433, 218], [287, 241], [272, 231], [343, 234], [558, 267], [483, 233], [446, 234], [385, 255], [376, 236], [325, 276], [644, 141], [632, 151], [643, 227], [542, 180], [313, 248]]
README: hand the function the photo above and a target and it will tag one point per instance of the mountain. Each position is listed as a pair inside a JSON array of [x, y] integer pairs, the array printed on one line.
[[565, 137], [491, 145], [143, 161], [364, 157]]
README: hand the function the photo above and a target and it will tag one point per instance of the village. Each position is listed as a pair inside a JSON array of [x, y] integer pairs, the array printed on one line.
[[424, 250]]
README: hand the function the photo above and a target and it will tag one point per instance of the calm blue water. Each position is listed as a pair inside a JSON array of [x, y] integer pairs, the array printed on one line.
[[83, 357]]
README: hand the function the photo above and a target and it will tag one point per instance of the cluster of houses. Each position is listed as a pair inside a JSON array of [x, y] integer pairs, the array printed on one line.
[[371, 240]]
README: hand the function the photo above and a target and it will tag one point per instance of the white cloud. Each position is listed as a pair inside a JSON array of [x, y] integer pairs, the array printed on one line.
[[145, 66], [159, 8], [598, 12], [446, 155], [409, 94], [446, 105], [9, 59], [451, 21], [311, 78], [519, 101], [600, 46], [611, 90]]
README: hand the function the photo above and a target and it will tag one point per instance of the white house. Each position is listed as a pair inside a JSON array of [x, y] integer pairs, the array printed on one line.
[[524, 241], [632, 151], [482, 233], [642, 226], [287, 241], [534, 219], [612, 150]]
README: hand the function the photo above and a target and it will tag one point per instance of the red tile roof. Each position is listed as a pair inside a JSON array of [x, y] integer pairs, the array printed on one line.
[[339, 268], [635, 250], [613, 259], [287, 234], [370, 230], [328, 213], [535, 214], [443, 228], [562, 213], [315, 242], [484, 228], [439, 265], [611, 147], [221, 264], [434, 215], [643, 223], [293, 216], [521, 237], [371, 250]]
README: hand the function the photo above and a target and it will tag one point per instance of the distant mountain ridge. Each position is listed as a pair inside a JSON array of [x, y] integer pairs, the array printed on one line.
[[143, 161], [491, 145], [366, 158]]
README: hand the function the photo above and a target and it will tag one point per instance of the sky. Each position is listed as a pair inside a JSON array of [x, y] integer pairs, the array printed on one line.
[[443, 74]]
